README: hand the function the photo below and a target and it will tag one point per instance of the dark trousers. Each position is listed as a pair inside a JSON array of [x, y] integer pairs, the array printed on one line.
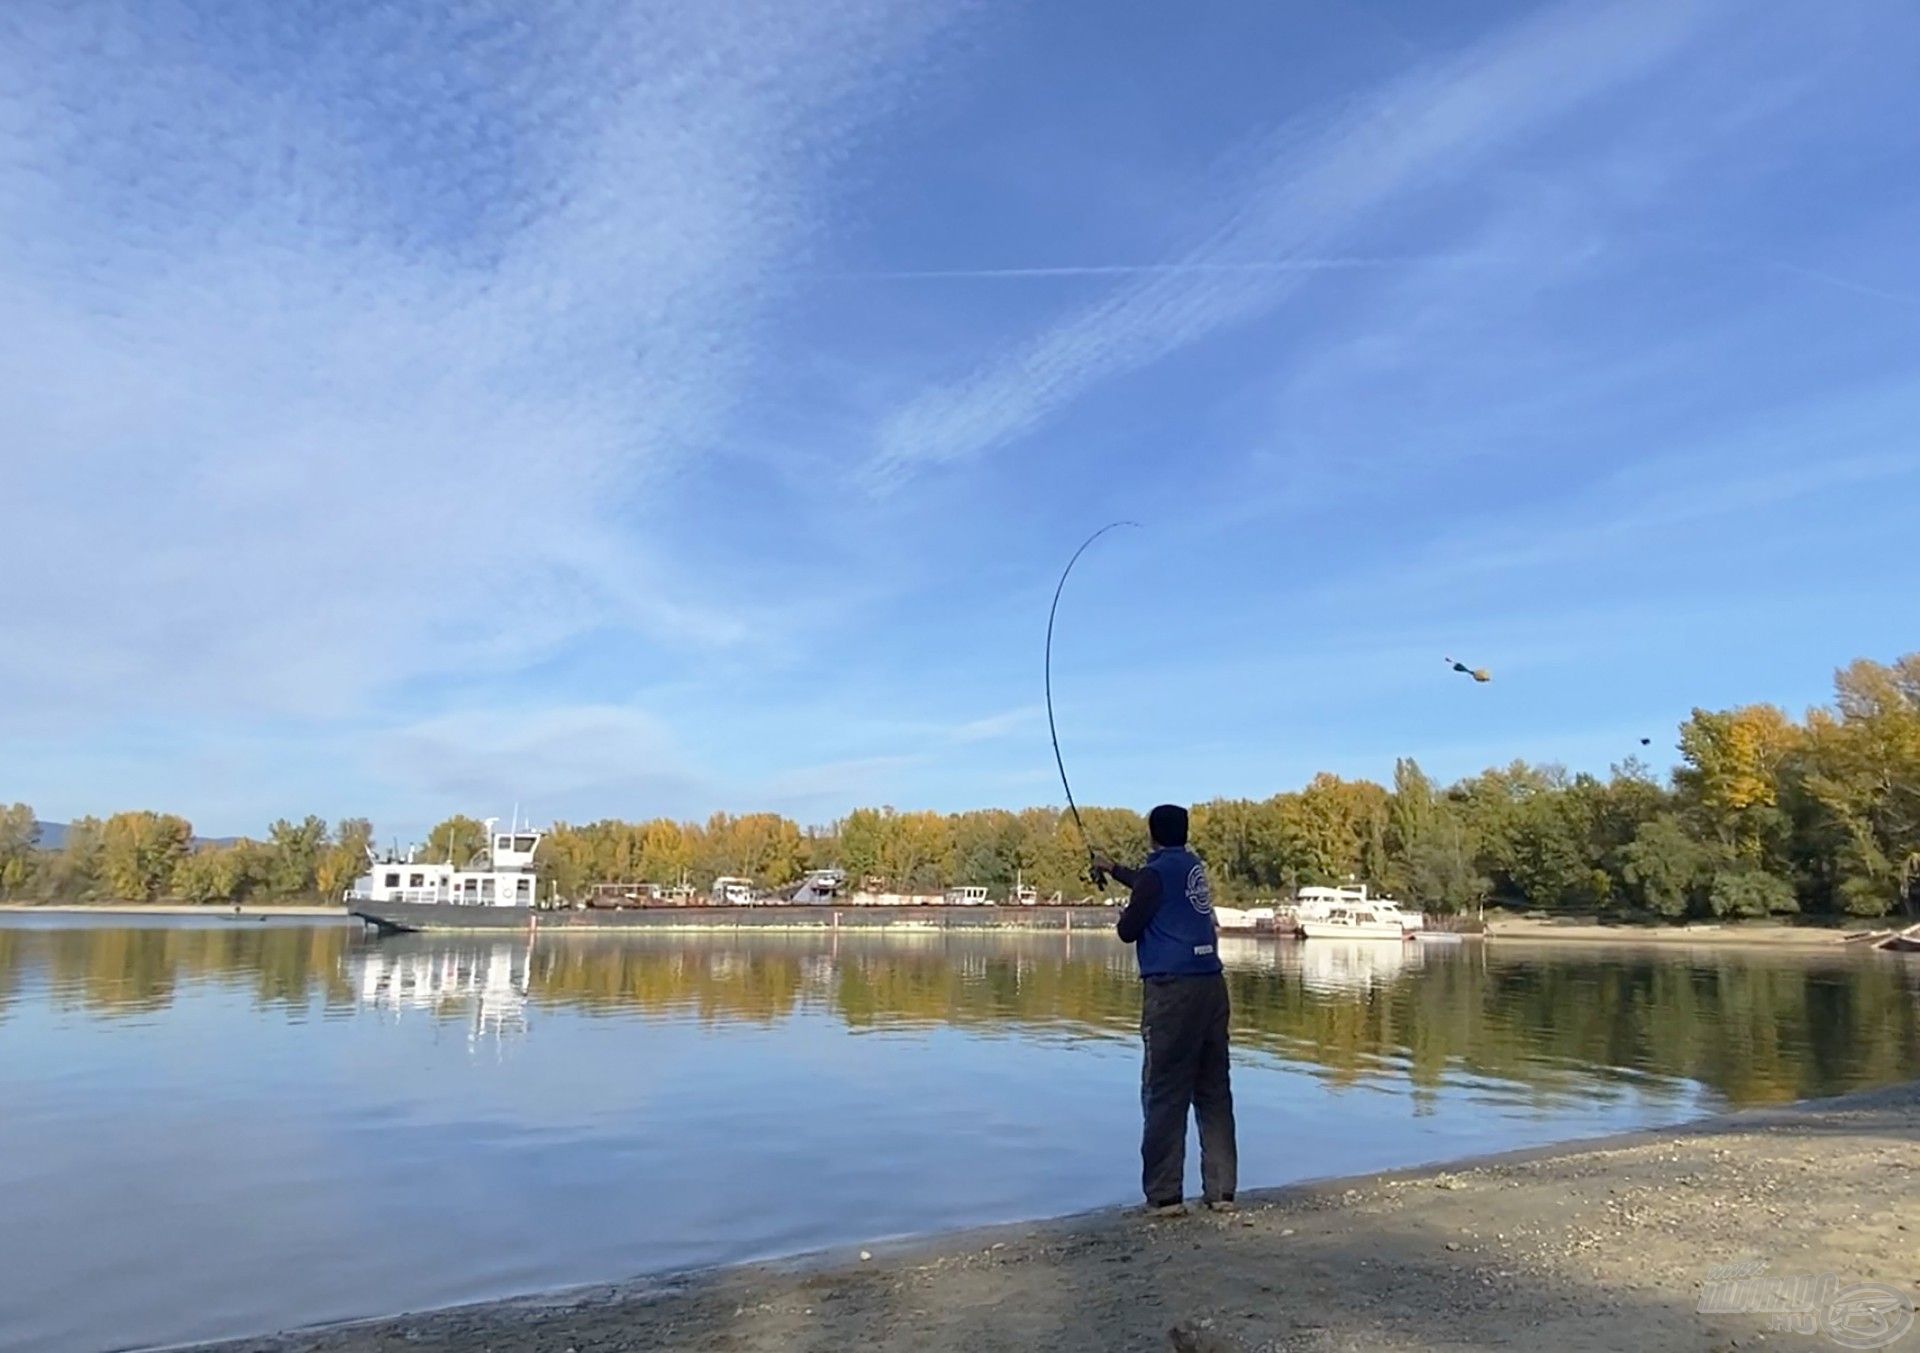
[[1183, 1025]]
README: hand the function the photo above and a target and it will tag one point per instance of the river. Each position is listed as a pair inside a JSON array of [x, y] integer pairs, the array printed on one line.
[[226, 1126]]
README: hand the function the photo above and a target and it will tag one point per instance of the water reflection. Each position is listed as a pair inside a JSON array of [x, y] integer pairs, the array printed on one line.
[[486, 988], [1752, 1026], [275, 1093], [119, 969]]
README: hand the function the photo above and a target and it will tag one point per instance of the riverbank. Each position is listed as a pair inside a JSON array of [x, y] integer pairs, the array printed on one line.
[[167, 909], [1768, 934], [1592, 1246], [1771, 934]]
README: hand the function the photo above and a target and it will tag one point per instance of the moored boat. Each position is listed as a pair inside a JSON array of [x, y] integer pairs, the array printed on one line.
[[495, 889], [1352, 914], [1244, 920], [1901, 941]]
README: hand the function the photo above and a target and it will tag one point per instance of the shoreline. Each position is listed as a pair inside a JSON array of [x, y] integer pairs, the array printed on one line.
[[1763, 933], [933, 920], [1595, 1244], [169, 909]]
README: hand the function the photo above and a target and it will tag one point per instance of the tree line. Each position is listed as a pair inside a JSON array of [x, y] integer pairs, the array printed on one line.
[[1764, 815]]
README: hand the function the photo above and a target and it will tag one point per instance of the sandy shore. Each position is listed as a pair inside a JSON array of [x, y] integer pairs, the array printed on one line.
[[1595, 1246], [165, 909], [1768, 933]]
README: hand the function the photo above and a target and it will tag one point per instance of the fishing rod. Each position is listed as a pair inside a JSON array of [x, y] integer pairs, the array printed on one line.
[[1094, 872]]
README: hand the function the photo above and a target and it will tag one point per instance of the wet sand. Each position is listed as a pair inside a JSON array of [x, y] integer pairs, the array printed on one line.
[[1767, 933], [1600, 1245]]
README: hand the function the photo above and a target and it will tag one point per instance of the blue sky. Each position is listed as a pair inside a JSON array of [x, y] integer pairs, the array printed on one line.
[[623, 409]]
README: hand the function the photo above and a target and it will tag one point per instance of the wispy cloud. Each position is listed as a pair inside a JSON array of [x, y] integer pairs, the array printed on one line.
[[1320, 179], [551, 760], [341, 358], [1714, 489], [1000, 725], [1353, 263]]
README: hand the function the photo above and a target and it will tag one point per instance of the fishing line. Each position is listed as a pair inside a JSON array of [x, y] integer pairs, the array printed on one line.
[[1098, 877]]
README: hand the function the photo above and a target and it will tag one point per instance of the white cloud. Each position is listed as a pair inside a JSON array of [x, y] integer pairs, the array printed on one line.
[[992, 726], [1321, 178], [552, 761], [332, 368]]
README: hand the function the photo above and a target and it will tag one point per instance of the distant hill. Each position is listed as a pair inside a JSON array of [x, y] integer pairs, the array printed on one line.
[[53, 836]]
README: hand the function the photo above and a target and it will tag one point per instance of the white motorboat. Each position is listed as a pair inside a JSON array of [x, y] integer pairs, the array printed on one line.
[[1350, 913], [1244, 920]]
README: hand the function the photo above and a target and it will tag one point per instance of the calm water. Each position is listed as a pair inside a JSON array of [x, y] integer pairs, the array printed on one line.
[[222, 1127]]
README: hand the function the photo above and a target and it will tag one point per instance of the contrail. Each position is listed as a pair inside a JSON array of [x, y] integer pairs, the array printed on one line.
[[1833, 280], [1769, 263], [1140, 269]]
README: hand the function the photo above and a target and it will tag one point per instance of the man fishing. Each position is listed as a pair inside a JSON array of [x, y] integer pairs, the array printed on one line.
[[1183, 1018]]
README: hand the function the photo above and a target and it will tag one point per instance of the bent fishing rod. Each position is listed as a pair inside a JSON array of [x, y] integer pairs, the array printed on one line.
[[1094, 871]]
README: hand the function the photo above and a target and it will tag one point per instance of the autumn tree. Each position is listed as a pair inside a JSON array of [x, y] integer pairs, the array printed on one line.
[[344, 860], [138, 853], [19, 834]]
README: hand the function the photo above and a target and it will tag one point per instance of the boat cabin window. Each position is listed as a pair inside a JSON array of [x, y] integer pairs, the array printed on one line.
[[416, 880], [393, 880], [503, 843], [523, 843], [523, 888]]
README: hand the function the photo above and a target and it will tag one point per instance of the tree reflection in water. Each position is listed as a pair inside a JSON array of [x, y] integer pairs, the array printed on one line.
[[1549, 1021]]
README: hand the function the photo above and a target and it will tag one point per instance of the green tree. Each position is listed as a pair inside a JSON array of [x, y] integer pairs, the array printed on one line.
[[1411, 814], [1743, 890], [1665, 868], [458, 838], [294, 852], [228, 873], [73, 874], [19, 834], [986, 849], [1861, 786]]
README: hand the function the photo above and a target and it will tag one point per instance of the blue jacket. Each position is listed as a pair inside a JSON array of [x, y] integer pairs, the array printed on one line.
[[1179, 939]]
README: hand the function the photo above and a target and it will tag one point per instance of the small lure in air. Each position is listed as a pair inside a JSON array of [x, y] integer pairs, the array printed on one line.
[[1479, 674]]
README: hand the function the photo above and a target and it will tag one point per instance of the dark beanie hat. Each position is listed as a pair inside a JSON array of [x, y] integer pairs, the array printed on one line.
[[1168, 823]]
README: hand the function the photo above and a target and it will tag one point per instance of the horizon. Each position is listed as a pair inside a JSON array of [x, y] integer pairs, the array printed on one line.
[[648, 411]]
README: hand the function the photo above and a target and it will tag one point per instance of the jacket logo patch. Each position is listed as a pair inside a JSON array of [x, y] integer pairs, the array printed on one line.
[[1199, 895]]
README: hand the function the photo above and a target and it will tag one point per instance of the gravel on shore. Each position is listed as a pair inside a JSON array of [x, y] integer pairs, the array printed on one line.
[[1601, 1245]]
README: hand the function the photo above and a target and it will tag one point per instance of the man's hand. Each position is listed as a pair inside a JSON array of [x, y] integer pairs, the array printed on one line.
[[1102, 864]]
